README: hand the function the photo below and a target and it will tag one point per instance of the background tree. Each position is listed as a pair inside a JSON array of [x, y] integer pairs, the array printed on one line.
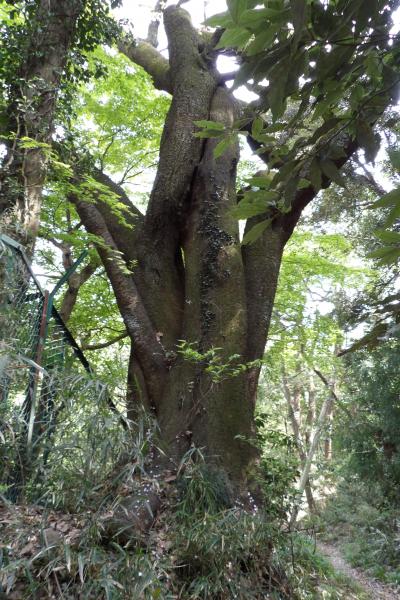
[[44, 42]]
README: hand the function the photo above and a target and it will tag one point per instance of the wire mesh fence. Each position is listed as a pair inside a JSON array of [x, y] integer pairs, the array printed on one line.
[[41, 370]]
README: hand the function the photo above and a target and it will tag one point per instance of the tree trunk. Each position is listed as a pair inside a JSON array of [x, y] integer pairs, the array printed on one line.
[[321, 422], [31, 114], [293, 403], [193, 280]]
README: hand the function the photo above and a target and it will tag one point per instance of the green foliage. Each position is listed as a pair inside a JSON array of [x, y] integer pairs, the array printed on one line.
[[371, 440], [76, 451], [359, 519], [320, 74], [21, 30], [125, 115], [389, 236], [214, 363], [279, 468]]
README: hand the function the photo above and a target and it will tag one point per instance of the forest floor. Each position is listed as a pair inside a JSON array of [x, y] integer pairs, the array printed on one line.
[[373, 588]]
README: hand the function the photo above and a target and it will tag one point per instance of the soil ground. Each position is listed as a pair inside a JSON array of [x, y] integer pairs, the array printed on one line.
[[373, 588]]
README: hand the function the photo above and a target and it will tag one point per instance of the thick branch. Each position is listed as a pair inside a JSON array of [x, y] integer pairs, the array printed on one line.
[[158, 281], [194, 84], [75, 283], [149, 351], [103, 345], [146, 56]]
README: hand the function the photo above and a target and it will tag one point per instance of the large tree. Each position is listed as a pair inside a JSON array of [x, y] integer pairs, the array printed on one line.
[[324, 74]]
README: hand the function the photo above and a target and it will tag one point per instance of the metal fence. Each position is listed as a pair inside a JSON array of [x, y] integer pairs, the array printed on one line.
[[36, 351]]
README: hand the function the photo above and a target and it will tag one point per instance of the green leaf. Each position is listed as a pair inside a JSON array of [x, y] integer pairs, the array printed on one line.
[[315, 175], [394, 156], [210, 125], [220, 20], [261, 41], [298, 9], [327, 126], [329, 169], [276, 93], [373, 66], [224, 145], [209, 133], [236, 8], [245, 210], [255, 232], [290, 190], [257, 127], [234, 38], [259, 16], [254, 203], [368, 140], [387, 255], [391, 237], [261, 181], [393, 215], [324, 105], [330, 62], [390, 199]]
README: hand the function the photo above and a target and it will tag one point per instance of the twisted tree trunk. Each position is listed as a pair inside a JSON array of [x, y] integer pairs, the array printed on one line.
[[193, 280]]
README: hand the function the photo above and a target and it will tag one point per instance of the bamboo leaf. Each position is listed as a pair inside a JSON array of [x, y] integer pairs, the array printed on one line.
[[81, 567]]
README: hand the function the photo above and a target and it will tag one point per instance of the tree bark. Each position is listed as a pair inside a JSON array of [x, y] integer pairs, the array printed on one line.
[[31, 114], [193, 280]]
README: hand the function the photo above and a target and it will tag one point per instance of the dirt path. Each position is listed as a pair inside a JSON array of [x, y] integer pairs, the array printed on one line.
[[376, 590]]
